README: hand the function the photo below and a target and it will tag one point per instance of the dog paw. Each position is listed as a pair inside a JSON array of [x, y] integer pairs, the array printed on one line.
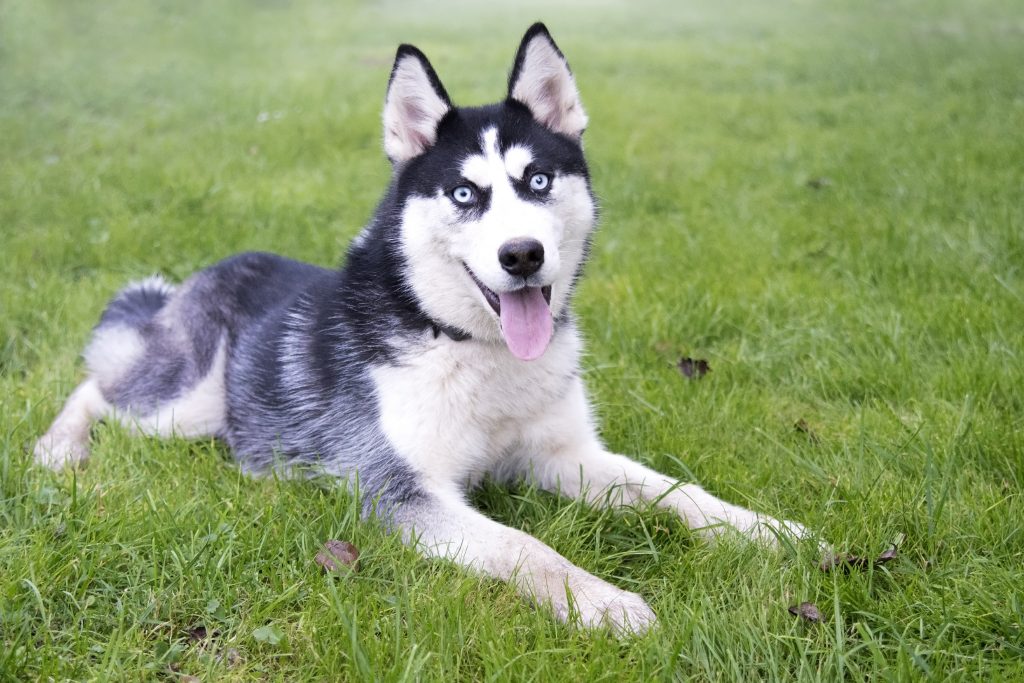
[[57, 452], [773, 533], [757, 527], [628, 614], [602, 605]]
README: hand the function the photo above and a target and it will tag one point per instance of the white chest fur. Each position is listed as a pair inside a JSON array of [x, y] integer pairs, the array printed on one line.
[[453, 410]]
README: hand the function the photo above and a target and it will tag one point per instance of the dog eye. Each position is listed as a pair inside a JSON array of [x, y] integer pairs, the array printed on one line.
[[539, 182], [464, 194]]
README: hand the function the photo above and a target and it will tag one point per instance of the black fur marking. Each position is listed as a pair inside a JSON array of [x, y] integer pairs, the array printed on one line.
[[527, 193], [482, 205], [450, 332], [458, 137]]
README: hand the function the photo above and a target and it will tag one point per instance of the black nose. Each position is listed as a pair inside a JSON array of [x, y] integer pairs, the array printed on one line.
[[522, 257]]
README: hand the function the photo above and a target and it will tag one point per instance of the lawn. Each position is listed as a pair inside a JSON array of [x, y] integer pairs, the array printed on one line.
[[824, 200]]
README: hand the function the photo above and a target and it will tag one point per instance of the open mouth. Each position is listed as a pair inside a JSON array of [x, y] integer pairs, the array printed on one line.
[[494, 300], [525, 315]]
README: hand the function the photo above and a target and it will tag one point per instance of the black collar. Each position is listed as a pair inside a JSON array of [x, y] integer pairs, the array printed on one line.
[[453, 333]]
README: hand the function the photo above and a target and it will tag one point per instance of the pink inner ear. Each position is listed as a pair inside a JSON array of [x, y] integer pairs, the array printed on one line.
[[549, 90], [418, 139], [548, 99], [416, 121], [545, 85], [412, 112]]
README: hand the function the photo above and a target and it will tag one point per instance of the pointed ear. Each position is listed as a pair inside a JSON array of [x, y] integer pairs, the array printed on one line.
[[541, 80], [416, 102]]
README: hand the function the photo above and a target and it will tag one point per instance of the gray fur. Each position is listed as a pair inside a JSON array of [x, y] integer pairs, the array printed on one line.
[[427, 362], [285, 408]]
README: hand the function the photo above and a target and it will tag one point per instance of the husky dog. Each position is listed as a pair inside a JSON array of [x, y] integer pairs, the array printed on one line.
[[443, 352]]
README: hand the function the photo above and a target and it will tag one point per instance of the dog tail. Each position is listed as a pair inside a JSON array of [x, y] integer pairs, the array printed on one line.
[[136, 304]]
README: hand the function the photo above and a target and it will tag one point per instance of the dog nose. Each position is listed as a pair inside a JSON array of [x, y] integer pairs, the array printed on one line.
[[522, 257]]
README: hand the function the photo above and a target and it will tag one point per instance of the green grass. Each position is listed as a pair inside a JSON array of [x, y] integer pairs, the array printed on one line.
[[885, 308]]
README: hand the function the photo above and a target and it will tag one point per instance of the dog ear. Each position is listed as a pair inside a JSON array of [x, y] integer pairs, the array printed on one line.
[[541, 80], [416, 102]]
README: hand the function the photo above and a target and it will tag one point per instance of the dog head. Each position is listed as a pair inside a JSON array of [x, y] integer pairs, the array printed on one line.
[[493, 203]]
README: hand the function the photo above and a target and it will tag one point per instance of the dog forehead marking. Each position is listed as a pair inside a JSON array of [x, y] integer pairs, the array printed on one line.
[[476, 170], [484, 170], [489, 141], [517, 158]]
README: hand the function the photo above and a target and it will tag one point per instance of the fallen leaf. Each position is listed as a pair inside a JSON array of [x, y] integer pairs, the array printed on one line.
[[693, 368], [889, 554], [338, 554], [197, 633], [807, 611], [847, 561], [844, 561]]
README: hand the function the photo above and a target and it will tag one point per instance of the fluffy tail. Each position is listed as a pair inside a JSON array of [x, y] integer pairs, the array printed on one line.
[[118, 341], [137, 303]]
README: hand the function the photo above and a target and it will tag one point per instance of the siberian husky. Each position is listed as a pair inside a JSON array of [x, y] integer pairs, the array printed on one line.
[[443, 352]]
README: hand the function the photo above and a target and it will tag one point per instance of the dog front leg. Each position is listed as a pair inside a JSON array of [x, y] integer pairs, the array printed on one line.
[[445, 526], [591, 472]]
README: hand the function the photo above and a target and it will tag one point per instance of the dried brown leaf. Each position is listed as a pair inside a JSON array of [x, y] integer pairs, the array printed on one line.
[[693, 368], [338, 554], [807, 611], [200, 632], [848, 562], [888, 555], [844, 561]]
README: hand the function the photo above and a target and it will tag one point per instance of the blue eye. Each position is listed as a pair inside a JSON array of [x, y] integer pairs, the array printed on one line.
[[464, 194], [540, 182]]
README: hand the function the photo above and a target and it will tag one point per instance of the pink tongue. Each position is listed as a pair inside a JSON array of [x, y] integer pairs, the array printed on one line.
[[525, 322]]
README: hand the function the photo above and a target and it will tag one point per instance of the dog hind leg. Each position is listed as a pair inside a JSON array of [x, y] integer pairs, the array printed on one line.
[[116, 347], [66, 442]]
